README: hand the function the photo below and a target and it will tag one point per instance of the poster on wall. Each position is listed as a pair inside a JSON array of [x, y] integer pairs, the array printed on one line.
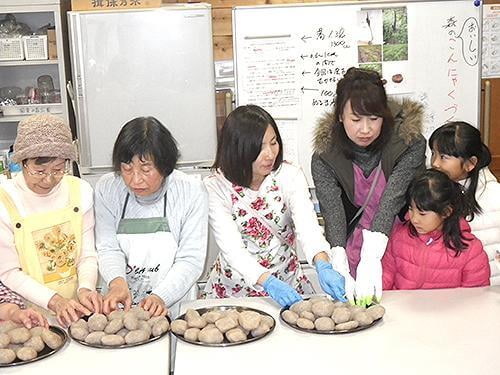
[[491, 41]]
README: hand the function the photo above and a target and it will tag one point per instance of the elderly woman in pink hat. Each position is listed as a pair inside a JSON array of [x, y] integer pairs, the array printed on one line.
[[47, 251]]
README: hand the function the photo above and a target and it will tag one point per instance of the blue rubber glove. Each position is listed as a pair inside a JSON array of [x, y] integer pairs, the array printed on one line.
[[281, 292], [330, 280]]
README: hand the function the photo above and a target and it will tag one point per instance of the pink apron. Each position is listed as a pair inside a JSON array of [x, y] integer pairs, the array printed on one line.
[[362, 186]]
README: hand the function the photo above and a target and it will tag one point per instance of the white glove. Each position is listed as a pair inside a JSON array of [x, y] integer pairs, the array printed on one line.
[[338, 259], [369, 271]]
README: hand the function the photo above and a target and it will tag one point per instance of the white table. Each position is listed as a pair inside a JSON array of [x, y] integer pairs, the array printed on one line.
[[445, 332], [76, 359]]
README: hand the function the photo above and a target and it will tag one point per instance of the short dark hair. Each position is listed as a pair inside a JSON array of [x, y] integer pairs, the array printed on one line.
[[240, 143], [146, 137], [365, 89]]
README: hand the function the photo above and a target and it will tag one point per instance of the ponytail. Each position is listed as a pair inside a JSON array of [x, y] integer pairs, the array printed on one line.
[[461, 207]]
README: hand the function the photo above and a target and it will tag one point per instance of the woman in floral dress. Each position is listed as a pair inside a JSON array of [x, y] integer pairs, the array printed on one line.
[[259, 208]]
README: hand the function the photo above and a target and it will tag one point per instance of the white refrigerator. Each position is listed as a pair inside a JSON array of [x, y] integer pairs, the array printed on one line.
[[152, 62]]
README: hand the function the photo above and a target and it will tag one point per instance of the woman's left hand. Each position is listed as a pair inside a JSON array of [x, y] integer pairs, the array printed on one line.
[[155, 305], [91, 299], [29, 318]]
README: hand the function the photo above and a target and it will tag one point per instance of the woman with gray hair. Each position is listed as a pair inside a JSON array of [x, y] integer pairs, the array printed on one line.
[[47, 251], [151, 222]]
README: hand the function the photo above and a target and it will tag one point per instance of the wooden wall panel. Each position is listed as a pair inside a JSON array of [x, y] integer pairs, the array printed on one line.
[[223, 48], [221, 22]]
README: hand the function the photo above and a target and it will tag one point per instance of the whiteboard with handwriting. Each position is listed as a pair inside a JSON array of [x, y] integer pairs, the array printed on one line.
[[289, 58]]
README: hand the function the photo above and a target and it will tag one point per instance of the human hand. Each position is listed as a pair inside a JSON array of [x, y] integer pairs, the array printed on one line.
[[338, 259], [27, 317], [281, 292], [330, 280], [369, 272], [67, 310], [91, 299], [155, 305], [118, 293]]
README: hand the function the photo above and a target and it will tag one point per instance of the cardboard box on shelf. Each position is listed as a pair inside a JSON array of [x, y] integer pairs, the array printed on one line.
[[51, 40], [113, 5]]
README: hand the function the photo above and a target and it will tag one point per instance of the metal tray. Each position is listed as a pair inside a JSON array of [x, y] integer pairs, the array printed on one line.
[[100, 346], [225, 342], [46, 352], [332, 332]]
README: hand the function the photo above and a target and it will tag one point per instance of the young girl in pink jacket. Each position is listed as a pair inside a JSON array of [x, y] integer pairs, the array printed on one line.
[[435, 247]]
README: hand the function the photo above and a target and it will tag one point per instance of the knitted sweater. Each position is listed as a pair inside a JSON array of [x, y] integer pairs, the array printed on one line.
[[486, 225], [187, 215]]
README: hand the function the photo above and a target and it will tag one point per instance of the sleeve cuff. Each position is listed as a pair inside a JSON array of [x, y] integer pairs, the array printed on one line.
[[252, 276], [44, 298], [112, 273]]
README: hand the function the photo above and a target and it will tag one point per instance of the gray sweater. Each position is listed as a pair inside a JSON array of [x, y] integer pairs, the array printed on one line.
[[187, 215]]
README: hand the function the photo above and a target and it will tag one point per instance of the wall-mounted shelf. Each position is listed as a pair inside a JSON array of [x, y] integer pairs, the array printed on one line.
[[29, 62], [11, 118], [24, 74]]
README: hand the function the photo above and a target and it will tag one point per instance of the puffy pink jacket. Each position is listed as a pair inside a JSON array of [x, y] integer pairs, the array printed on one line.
[[423, 262]]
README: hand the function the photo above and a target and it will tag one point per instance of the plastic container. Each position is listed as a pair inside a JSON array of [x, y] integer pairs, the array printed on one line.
[[31, 109], [11, 49], [35, 47]]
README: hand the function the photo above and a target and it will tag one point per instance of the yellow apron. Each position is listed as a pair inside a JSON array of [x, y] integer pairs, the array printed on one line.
[[49, 243]]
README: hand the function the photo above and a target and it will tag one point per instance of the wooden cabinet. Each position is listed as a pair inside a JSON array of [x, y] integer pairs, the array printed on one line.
[[490, 114], [490, 120]]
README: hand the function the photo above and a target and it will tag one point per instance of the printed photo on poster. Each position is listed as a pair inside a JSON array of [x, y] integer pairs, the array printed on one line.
[[395, 34]]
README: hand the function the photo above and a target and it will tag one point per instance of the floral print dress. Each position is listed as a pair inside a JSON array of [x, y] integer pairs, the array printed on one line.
[[267, 233]]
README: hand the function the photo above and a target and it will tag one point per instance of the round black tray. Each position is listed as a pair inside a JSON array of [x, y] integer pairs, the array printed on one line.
[[226, 342], [331, 332], [100, 346], [46, 352]]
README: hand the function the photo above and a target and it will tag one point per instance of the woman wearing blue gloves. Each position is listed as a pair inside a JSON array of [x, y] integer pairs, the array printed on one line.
[[259, 208]]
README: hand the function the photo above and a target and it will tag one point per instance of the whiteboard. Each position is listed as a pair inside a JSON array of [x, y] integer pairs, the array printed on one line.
[[289, 58], [154, 62]]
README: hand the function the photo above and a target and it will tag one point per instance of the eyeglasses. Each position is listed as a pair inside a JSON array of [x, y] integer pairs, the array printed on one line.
[[42, 174]]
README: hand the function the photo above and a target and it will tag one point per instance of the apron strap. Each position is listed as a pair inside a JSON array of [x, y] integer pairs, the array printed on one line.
[[74, 192], [125, 205], [164, 205], [6, 199], [367, 200]]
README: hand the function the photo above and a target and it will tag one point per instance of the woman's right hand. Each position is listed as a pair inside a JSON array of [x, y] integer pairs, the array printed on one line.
[[118, 293], [67, 310], [281, 292]]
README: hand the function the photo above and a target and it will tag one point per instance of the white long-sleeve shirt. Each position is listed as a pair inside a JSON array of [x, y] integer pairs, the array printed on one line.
[[29, 203], [308, 233], [486, 225], [186, 212]]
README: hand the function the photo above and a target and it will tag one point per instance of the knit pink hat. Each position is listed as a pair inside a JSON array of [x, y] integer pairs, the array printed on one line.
[[43, 136]]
